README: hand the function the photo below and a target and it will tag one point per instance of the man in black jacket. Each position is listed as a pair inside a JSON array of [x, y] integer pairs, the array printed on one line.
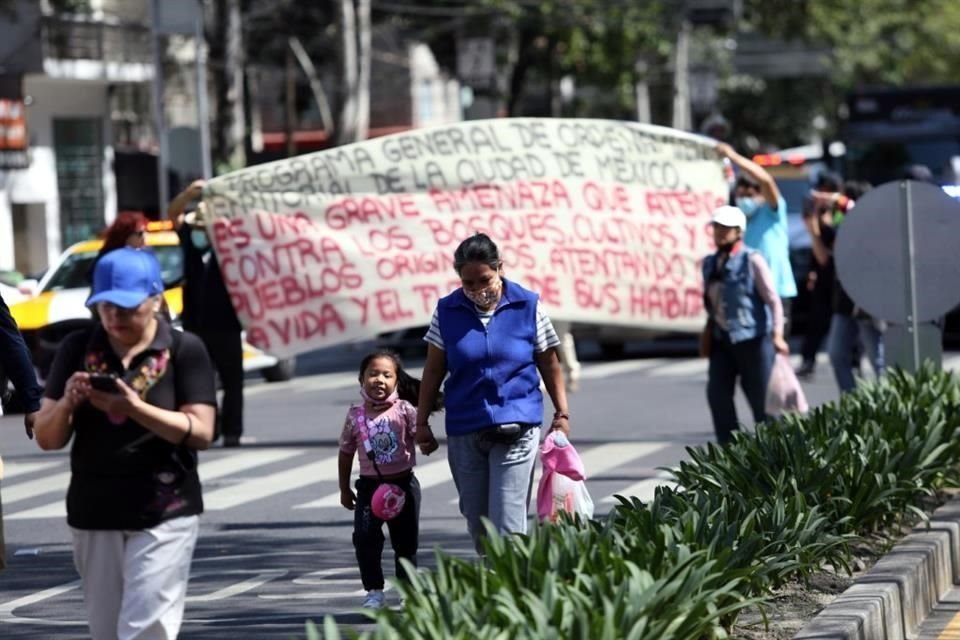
[[16, 365]]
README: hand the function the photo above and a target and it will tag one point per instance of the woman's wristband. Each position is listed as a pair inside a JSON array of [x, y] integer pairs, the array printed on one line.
[[189, 432], [561, 414]]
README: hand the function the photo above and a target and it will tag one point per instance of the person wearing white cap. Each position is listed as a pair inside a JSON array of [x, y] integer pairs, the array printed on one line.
[[137, 399], [744, 325]]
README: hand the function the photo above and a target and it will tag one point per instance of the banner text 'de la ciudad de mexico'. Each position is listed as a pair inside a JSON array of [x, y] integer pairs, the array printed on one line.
[[607, 220]]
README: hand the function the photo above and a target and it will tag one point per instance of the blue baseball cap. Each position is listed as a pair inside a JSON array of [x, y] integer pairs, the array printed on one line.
[[125, 278]]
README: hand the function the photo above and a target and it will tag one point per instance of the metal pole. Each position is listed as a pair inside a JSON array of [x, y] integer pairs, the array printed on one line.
[[203, 110], [642, 91], [163, 187], [913, 329], [681, 79]]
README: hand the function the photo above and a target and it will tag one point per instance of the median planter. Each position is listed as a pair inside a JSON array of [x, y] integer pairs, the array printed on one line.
[[749, 521]]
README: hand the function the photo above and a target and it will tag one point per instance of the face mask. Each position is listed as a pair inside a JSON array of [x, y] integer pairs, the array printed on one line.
[[485, 297], [199, 239], [748, 205]]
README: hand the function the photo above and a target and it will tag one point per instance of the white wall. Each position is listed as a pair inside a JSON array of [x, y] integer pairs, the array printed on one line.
[[50, 99]]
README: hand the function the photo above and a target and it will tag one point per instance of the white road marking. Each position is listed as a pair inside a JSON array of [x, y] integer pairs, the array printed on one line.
[[644, 489], [265, 486], [429, 475], [600, 459], [13, 469], [25, 490], [224, 466], [259, 579], [7, 609], [607, 369]]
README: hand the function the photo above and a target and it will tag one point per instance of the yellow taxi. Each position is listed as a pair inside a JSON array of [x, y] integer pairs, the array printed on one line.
[[56, 305]]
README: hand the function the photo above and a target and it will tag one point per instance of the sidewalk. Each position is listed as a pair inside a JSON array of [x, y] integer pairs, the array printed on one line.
[[911, 592]]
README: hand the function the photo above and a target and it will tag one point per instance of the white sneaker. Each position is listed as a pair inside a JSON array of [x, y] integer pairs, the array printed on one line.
[[374, 600]]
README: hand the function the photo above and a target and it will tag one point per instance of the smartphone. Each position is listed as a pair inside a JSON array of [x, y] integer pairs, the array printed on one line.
[[104, 382]]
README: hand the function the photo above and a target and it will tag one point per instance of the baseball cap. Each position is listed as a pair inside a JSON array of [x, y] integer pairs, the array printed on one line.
[[729, 216], [126, 277]]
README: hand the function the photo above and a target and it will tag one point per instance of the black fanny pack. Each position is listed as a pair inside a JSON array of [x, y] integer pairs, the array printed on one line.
[[506, 433]]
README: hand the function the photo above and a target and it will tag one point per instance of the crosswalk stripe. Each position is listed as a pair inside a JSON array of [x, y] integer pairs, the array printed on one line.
[[429, 475], [605, 457], [208, 471], [642, 490], [56, 509], [226, 465], [600, 459], [681, 368], [272, 484], [32, 488], [951, 362], [608, 369], [13, 469]]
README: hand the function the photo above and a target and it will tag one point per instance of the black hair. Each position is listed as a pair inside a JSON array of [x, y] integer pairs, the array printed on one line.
[[747, 182], [408, 387], [477, 248], [854, 189], [829, 181]]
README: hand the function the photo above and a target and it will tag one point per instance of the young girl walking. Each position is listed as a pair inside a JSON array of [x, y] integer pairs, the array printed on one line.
[[383, 428]]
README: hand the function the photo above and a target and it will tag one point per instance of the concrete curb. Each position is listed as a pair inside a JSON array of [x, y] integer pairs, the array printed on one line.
[[892, 600]]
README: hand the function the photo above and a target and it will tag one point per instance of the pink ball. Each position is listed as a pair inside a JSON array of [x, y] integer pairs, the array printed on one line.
[[388, 501]]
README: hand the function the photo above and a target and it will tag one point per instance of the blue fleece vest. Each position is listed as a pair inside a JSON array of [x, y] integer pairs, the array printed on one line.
[[746, 312], [493, 377]]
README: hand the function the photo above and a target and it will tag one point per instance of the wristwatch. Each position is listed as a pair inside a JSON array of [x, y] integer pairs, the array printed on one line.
[[561, 414]]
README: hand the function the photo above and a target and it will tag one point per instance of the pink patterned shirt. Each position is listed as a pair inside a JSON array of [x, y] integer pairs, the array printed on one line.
[[391, 436]]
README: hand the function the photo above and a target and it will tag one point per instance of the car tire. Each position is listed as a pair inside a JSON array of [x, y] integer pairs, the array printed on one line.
[[282, 371]]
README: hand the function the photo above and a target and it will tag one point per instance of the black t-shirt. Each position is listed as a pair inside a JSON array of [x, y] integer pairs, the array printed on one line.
[[206, 301], [842, 303], [122, 475]]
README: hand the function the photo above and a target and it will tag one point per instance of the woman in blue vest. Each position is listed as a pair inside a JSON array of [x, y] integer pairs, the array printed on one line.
[[743, 310], [495, 342]]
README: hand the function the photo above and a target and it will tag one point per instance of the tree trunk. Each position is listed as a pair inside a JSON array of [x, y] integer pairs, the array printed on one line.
[[227, 65], [364, 54], [347, 121], [290, 104], [316, 87]]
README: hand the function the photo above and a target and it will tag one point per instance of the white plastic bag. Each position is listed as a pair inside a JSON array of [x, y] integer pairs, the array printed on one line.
[[570, 496], [784, 393]]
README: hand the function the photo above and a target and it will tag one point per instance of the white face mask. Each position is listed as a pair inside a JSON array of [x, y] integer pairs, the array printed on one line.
[[485, 297]]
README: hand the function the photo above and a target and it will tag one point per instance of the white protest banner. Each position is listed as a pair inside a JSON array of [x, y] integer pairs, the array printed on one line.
[[607, 220]]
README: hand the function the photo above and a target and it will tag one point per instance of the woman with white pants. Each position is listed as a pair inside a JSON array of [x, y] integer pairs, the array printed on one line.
[[137, 398]]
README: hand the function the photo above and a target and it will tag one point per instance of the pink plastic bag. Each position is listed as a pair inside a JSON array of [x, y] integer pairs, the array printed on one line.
[[784, 393], [562, 487]]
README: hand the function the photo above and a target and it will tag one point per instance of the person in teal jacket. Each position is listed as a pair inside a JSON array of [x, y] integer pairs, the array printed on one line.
[[757, 195]]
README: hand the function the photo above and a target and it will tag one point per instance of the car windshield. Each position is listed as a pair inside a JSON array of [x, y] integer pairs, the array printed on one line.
[[74, 272]]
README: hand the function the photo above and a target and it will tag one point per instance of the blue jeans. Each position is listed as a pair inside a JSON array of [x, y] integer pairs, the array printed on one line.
[[752, 362], [846, 334], [493, 480]]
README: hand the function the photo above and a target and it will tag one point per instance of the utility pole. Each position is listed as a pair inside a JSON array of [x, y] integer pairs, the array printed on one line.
[[642, 91], [681, 78], [159, 113]]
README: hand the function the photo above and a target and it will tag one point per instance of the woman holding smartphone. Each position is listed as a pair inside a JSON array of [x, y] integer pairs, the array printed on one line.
[[137, 399]]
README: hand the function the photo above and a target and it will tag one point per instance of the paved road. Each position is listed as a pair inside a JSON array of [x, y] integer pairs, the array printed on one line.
[[275, 545]]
